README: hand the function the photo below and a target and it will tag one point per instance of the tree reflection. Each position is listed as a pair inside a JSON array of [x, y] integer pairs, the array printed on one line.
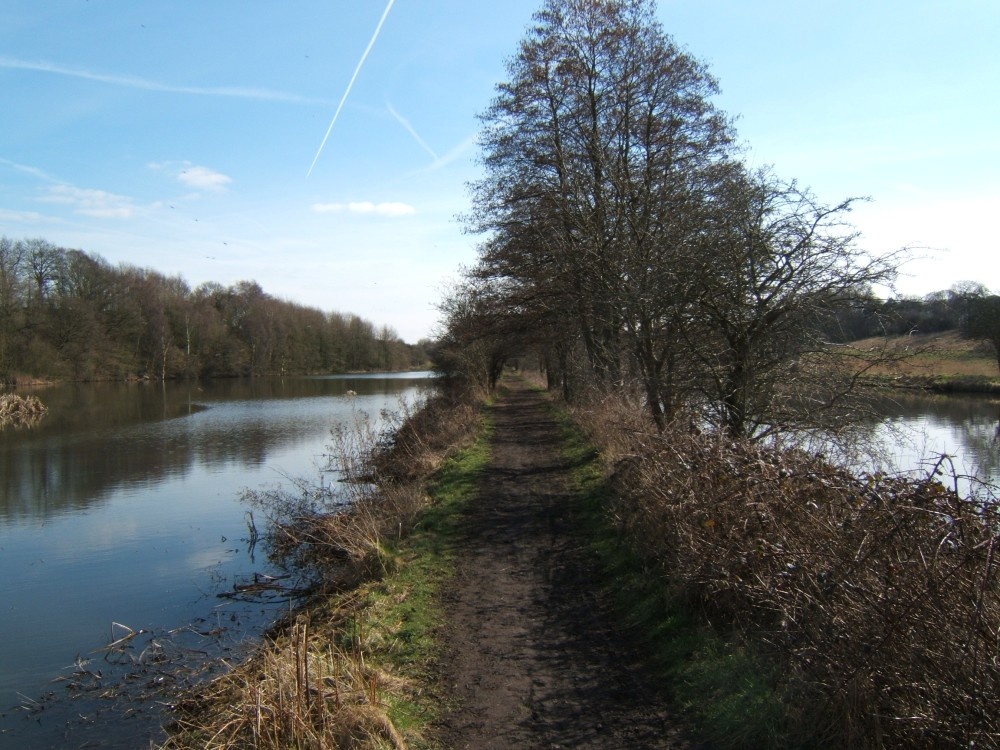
[[103, 437]]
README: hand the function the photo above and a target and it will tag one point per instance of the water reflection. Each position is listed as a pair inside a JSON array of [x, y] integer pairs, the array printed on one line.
[[123, 506], [100, 438], [917, 429]]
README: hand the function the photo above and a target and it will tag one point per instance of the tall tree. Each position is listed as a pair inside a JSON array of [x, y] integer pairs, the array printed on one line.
[[598, 151]]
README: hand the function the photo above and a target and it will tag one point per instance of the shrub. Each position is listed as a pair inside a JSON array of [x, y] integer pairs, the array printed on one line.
[[877, 596]]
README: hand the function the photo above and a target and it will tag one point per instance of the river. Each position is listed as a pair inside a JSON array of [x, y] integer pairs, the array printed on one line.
[[121, 519], [959, 433]]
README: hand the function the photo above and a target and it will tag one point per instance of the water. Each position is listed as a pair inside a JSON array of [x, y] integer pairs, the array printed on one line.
[[123, 506], [120, 516], [958, 433]]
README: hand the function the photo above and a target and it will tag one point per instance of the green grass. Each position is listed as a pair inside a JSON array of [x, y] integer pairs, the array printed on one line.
[[403, 610], [719, 685]]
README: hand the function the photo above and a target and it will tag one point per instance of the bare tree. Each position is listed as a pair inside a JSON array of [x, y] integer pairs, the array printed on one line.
[[595, 152], [475, 340], [776, 265]]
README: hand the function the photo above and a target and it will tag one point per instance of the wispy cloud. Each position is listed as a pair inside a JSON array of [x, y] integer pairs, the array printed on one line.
[[88, 202], [24, 168], [350, 85], [409, 129], [145, 84], [18, 217], [365, 207]]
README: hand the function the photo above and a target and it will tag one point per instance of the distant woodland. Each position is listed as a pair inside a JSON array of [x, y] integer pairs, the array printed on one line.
[[67, 314]]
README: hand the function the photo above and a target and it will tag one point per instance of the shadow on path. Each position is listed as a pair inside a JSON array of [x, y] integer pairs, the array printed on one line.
[[533, 655]]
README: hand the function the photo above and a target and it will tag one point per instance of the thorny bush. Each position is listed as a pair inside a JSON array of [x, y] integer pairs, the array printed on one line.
[[877, 596]]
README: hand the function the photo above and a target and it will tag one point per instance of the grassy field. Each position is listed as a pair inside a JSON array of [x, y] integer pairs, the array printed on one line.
[[938, 361]]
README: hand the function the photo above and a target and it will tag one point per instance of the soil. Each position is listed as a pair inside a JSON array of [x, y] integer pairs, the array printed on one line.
[[534, 656]]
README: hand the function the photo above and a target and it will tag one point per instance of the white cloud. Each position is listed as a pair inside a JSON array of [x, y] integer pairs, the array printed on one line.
[[88, 202], [391, 209], [194, 176], [204, 178]]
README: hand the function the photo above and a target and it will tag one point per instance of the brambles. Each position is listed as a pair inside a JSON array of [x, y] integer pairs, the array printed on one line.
[[877, 597]]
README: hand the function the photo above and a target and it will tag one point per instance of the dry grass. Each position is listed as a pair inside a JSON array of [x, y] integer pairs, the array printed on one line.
[[933, 355], [877, 597], [21, 411], [311, 688], [318, 682]]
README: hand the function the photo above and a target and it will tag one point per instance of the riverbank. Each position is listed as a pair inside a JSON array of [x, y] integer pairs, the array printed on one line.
[[486, 600], [553, 588], [350, 668]]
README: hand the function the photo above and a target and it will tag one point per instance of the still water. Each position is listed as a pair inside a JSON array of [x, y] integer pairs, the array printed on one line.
[[960, 433], [121, 518]]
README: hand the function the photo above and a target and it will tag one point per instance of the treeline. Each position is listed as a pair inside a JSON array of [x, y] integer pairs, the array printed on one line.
[[628, 248], [946, 310], [69, 314]]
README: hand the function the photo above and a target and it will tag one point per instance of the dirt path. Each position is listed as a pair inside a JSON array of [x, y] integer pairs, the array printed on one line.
[[533, 655]]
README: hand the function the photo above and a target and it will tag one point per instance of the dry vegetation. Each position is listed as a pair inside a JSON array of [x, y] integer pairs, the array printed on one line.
[[936, 355], [21, 411], [872, 603], [316, 683], [876, 599]]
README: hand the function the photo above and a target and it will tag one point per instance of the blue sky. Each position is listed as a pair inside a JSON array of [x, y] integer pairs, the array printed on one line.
[[180, 135]]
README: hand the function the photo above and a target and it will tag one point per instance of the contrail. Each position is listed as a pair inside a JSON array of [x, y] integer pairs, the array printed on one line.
[[145, 84], [409, 129], [350, 84]]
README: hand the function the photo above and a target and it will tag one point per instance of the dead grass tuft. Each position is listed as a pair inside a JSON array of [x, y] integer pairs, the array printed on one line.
[[21, 411], [304, 690]]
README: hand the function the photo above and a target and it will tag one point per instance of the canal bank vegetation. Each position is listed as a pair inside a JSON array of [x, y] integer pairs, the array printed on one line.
[[69, 315], [835, 610], [350, 668], [787, 602]]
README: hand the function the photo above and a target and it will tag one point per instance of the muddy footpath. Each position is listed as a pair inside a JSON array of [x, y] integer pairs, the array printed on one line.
[[534, 656]]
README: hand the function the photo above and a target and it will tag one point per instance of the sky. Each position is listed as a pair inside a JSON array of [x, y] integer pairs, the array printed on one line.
[[195, 138]]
